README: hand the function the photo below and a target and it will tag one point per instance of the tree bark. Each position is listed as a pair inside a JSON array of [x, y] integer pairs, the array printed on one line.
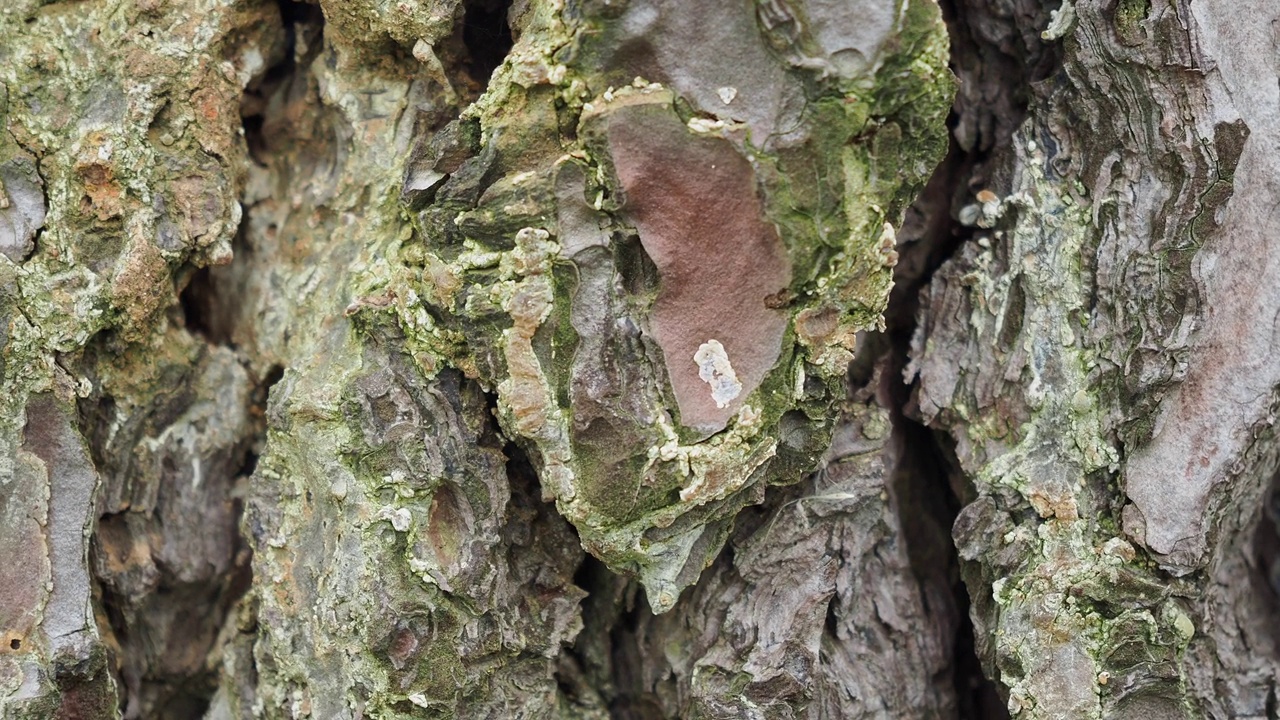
[[638, 359]]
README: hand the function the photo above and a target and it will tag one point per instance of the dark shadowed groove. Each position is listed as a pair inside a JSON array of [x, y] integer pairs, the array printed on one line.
[[303, 25], [199, 300], [486, 34], [1265, 568], [171, 610], [990, 49], [606, 657]]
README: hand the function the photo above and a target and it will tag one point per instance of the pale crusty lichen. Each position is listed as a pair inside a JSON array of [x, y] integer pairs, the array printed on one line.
[[575, 342], [715, 369], [1073, 595]]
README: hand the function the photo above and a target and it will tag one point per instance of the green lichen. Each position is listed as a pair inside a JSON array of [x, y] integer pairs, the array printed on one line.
[[1129, 15], [1075, 600], [643, 495]]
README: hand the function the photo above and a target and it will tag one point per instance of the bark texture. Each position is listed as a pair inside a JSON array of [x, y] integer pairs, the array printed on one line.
[[657, 358], [1096, 353]]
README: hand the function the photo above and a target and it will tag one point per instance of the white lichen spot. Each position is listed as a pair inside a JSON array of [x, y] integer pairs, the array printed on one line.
[[251, 64], [419, 699], [715, 370], [533, 253], [988, 209], [1061, 22], [727, 94], [1116, 547], [888, 246], [400, 518], [705, 125], [338, 489], [997, 590], [423, 52], [1017, 701], [300, 704]]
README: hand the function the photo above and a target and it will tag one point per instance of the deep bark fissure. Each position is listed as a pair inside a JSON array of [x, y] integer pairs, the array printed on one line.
[[1266, 558], [632, 701], [607, 651], [181, 606], [153, 688], [44, 192], [303, 26], [486, 35], [198, 300], [930, 485], [149, 605]]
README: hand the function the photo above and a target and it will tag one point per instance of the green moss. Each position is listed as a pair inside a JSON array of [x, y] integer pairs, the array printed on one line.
[[615, 483], [562, 340], [870, 146], [1129, 15], [805, 188]]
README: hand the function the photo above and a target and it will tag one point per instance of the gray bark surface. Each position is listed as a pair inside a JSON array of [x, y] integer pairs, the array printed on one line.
[[643, 359], [1100, 354]]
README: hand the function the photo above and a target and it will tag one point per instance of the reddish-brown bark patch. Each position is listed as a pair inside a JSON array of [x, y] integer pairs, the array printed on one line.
[[694, 202]]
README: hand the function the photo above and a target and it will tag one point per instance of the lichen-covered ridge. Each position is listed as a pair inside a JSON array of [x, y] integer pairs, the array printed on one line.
[[629, 216], [340, 199]]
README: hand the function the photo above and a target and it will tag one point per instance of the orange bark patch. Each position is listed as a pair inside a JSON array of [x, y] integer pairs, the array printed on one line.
[[103, 196], [141, 287]]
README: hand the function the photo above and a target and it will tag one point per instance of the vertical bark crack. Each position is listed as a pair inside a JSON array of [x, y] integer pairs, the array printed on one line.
[[1265, 575], [486, 34], [995, 65], [173, 434]]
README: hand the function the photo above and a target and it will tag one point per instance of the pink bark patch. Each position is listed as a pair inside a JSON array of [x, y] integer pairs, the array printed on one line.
[[693, 200]]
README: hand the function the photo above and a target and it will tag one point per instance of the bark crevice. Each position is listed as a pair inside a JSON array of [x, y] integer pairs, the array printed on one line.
[[169, 561], [487, 37], [995, 62]]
